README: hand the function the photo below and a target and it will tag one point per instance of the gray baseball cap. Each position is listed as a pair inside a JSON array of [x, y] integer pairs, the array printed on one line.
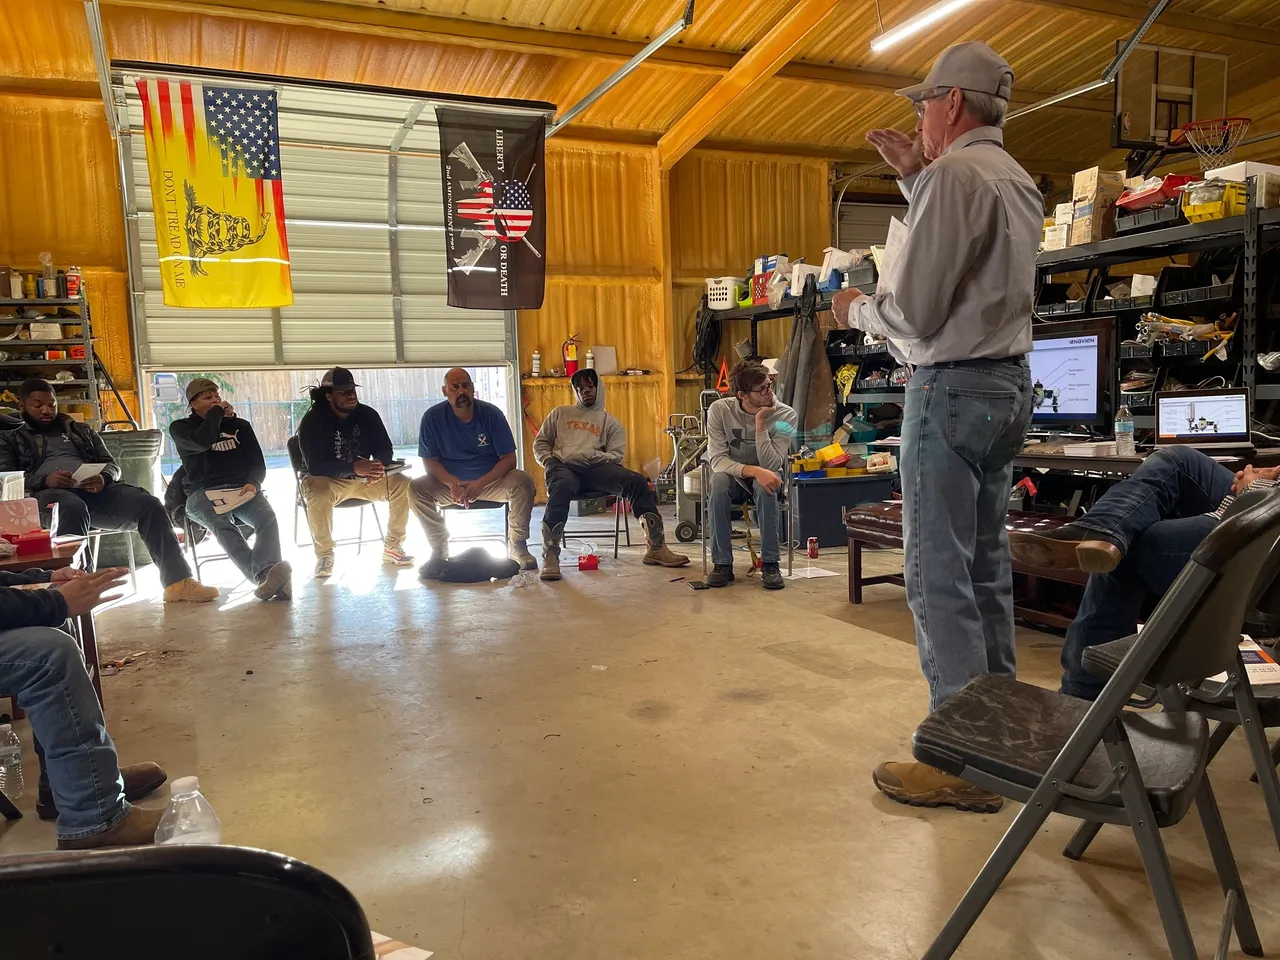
[[969, 66], [198, 386]]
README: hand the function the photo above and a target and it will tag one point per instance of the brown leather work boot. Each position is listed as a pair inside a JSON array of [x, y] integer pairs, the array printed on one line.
[[921, 785], [137, 829], [551, 552], [140, 779], [1069, 547], [659, 554]]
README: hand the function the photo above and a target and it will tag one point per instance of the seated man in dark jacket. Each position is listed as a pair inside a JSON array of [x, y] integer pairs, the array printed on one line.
[[86, 789], [50, 447], [346, 452], [220, 453]]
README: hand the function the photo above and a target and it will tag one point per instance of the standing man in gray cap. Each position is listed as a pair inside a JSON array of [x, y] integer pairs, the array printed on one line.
[[959, 312]]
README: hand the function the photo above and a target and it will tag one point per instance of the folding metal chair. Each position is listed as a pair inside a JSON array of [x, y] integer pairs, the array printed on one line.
[[1233, 703], [621, 519], [1103, 763]]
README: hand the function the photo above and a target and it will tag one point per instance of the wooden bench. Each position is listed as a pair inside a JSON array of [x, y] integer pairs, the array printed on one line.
[[881, 524]]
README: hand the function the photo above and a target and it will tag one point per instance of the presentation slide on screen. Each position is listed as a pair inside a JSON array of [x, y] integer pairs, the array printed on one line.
[[1203, 416], [1064, 375]]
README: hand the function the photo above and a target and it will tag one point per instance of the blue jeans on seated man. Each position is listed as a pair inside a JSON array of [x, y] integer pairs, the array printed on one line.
[[44, 669], [256, 513], [728, 491], [1156, 518], [963, 423]]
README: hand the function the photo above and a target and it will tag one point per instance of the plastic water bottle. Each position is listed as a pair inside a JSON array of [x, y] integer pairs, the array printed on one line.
[[1124, 433], [10, 763], [190, 818]]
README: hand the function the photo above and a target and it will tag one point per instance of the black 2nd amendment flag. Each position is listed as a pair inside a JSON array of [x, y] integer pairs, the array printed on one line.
[[495, 192]]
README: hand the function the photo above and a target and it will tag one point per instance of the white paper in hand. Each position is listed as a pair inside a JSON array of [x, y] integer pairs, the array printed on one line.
[[887, 256], [224, 501], [87, 470]]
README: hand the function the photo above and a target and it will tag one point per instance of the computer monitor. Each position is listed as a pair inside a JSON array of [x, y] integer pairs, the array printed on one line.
[[1204, 418], [1073, 373]]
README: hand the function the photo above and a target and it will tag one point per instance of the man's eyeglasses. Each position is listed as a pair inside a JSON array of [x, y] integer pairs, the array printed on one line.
[[762, 391], [919, 104]]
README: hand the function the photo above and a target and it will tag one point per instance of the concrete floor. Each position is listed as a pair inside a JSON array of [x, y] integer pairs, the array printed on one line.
[[616, 766]]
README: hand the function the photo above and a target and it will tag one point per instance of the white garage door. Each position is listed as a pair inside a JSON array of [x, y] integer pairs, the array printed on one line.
[[366, 240]]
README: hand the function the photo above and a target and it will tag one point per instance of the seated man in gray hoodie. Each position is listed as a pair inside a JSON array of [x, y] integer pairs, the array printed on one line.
[[748, 438], [581, 447]]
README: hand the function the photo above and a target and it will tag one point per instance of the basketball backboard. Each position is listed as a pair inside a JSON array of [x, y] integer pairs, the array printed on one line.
[[1161, 89]]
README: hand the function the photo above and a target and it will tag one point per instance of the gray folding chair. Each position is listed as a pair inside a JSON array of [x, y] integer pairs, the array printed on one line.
[[1103, 763], [1231, 704]]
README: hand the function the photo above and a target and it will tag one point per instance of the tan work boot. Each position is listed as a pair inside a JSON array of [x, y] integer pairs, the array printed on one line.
[[275, 582], [189, 590], [659, 554], [519, 552], [140, 779], [137, 829], [921, 785], [551, 552]]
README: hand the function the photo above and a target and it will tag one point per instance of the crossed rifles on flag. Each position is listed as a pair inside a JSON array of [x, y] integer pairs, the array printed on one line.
[[490, 210]]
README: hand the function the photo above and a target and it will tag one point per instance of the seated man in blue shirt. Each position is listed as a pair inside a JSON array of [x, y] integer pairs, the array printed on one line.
[[469, 454]]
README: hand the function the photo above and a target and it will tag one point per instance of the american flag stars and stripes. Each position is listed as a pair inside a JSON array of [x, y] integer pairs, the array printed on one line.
[[503, 210], [242, 125]]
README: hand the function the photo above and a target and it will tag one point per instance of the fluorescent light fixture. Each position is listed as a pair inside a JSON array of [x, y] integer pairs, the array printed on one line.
[[921, 21]]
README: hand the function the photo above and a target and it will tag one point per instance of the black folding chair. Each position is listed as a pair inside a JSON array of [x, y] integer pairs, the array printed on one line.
[[202, 903], [621, 520], [1232, 704], [1103, 763], [300, 503]]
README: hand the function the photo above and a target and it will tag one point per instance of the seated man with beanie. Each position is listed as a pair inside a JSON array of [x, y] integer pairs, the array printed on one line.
[[581, 447], [82, 784], [346, 452], [748, 439], [50, 446], [469, 454], [219, 451]]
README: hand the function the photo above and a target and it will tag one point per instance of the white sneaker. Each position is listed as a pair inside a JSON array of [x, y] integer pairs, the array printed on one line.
[[396, 557], [324, 567]]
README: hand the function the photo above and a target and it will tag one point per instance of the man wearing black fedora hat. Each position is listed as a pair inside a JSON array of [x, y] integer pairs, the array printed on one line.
[[346, 451]]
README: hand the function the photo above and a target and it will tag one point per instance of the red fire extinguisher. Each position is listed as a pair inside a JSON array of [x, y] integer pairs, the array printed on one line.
[[569, 349]]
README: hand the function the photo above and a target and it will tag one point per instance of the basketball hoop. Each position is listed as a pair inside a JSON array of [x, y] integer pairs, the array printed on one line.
[[1214, 141]]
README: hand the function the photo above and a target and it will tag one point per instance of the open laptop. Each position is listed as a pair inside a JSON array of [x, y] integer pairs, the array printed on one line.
[[1205, 419]]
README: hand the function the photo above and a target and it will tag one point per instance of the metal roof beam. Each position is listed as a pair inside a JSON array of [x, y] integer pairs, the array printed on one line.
[[1129, 11], [402, 25]]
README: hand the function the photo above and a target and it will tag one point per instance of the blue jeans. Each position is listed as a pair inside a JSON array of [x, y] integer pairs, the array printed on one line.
[[963, 423], [257, 513], [1156, 517], [43, 667], [726, 492]]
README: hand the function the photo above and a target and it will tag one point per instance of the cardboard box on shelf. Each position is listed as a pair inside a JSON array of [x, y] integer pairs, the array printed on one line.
[[1241, 171], [1087, 183], [1063, 214], [1095, 192], [1056, 238]]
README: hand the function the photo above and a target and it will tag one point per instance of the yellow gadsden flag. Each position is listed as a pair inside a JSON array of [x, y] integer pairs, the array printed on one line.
[[213, 154]]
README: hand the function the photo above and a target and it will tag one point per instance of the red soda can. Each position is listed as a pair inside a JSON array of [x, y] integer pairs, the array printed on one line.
[[813, 548]]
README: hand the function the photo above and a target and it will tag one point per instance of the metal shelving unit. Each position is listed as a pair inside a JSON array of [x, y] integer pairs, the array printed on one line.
[[1247, 232], [83, 387]]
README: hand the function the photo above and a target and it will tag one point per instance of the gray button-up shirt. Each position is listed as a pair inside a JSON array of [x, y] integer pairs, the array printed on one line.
[[965, 278]]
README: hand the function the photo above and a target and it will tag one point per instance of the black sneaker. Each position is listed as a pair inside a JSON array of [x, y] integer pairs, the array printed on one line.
[[721, 575], [771, 577]]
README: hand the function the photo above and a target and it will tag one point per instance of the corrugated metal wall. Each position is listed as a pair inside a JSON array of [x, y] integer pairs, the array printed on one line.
[[726, 210]]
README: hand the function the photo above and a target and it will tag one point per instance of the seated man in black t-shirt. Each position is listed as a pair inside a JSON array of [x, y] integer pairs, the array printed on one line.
[[223, 463]]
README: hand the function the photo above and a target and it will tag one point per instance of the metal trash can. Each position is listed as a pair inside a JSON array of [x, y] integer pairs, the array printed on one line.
[[137, 452]]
